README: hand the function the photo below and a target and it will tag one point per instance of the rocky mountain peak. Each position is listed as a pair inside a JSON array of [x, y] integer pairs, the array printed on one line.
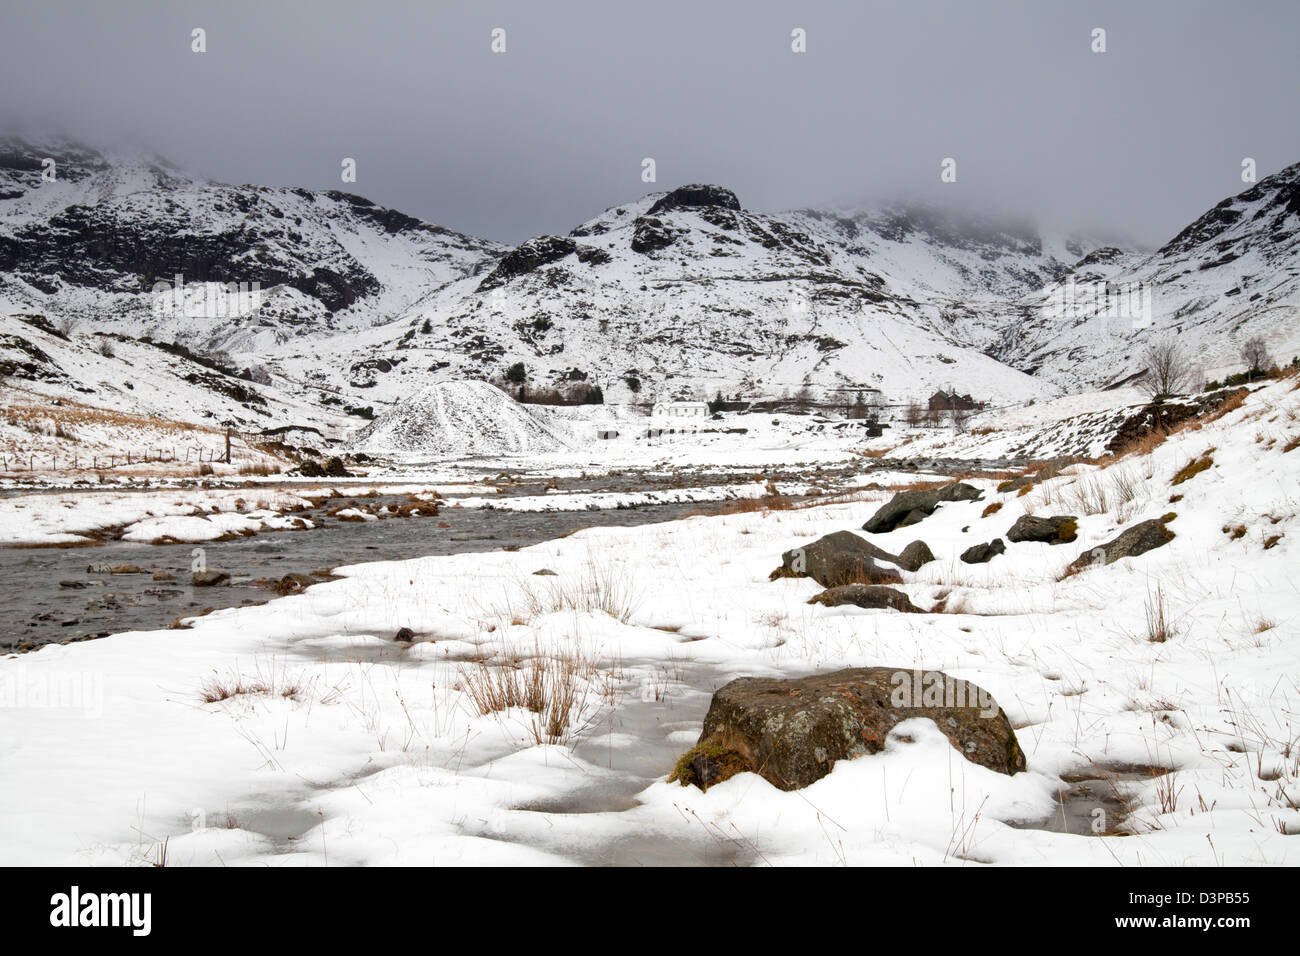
[[696, 195]]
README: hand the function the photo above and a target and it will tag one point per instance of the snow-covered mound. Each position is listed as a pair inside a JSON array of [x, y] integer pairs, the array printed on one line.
[[460, 419]]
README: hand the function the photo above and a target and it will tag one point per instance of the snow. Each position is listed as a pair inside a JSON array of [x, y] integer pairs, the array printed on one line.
[[54, 518], [359, 750], [457, 420]]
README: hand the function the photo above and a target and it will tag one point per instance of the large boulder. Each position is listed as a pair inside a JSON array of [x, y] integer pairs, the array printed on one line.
[[909, 507], [791, 732], [1058, 529], [867, 596], [334, 468], [839, 558], [983, 553], [1142, 537]]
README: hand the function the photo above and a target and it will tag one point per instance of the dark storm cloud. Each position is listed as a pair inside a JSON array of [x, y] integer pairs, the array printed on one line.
[[1138, 139]]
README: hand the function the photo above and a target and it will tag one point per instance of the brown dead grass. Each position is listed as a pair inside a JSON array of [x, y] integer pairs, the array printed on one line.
[[70, 413], [1195, 467], [1230, 404], [1138, 448], [554, 689]]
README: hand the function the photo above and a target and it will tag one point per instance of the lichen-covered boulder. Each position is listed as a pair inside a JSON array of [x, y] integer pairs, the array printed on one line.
[[839, 558], [871, 596], [1058, 529], [909, 507], [792, 732], [1139, 539]]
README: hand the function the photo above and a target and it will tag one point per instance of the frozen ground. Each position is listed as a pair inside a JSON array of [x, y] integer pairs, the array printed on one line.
[[301, 733]]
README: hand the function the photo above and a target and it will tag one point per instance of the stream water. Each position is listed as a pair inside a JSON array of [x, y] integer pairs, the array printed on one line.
[[51, 597]]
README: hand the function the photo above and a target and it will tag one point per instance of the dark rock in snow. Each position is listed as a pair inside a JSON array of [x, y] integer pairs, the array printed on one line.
[[867, 596], [914, 556], [1058, 529], [909, 507], [839, 558], [1139, 539], [983, 553], [650, 234], [404, 635], [792, 732], [695, 195]]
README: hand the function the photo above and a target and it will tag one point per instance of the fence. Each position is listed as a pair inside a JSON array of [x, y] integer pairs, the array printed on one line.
[[12, 464]]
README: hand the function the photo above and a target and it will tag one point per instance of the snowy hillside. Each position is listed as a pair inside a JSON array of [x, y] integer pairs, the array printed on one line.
[[93, 243], [1232, 274], [74, 393]]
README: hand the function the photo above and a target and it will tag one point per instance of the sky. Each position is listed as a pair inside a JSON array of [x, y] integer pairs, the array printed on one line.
[[1132, 142]]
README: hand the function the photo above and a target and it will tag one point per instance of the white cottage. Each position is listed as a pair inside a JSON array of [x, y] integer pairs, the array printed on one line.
[[678, 411]]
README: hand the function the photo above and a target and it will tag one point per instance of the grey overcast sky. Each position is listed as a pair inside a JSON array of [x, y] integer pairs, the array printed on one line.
[[1138, 140]]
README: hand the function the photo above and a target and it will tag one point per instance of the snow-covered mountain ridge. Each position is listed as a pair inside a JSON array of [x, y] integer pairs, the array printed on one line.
[[677, 293]]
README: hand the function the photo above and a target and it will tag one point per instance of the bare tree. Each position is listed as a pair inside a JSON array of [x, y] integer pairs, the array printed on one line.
[[913, 414], [1255, 354], [874, 407], [960, 418], [1166, 369]]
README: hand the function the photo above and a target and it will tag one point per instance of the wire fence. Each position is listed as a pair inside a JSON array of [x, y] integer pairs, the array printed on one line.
[[242, 447]]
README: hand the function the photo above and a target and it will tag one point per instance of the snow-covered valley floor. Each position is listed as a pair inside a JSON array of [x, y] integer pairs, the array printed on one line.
[[300, 732]]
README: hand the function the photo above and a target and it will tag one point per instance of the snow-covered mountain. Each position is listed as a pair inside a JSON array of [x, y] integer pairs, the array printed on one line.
[[685, 292], [1234, 273], [93, 243], [676, 293]]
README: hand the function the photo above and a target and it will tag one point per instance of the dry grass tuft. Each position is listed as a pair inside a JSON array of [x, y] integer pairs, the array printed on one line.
[[1160, 627], [605, 587], [556, 690], [234, 684]]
